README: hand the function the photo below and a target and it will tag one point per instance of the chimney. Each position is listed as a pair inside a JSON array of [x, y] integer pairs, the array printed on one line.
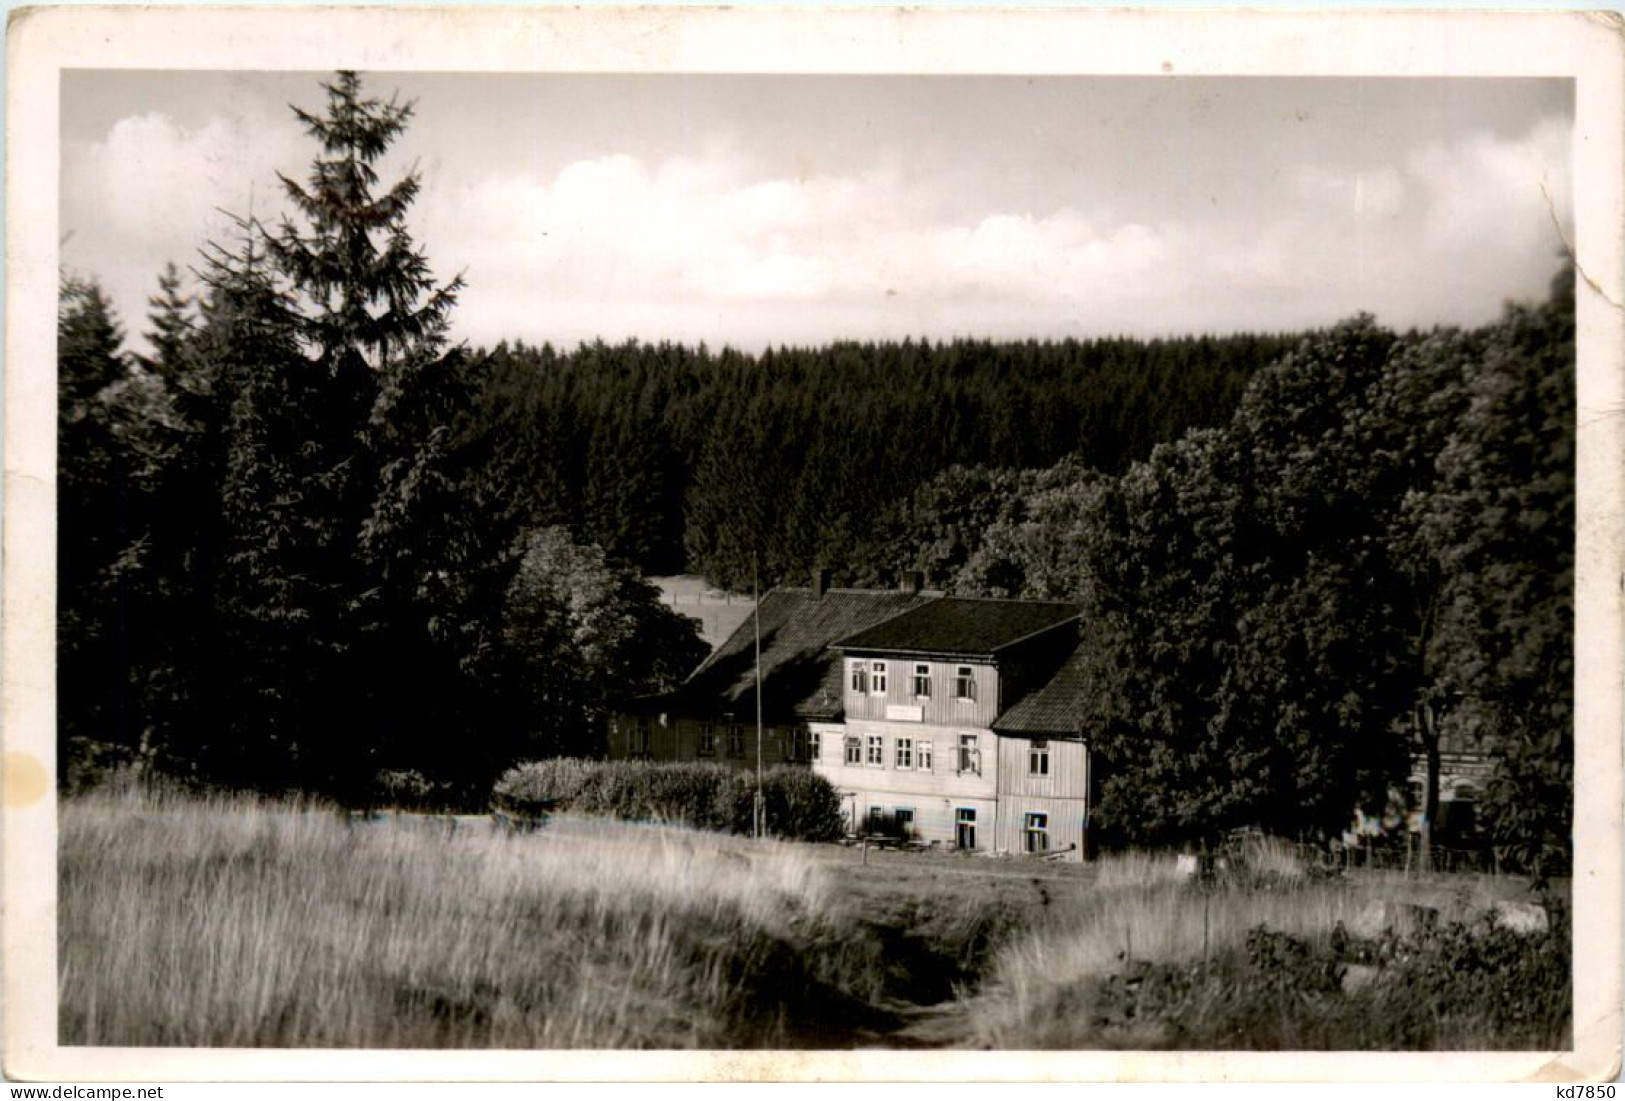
[[820, 584], [912, 582]]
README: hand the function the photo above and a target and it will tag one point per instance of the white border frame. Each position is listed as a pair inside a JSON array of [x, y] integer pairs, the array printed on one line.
[[44, 41]]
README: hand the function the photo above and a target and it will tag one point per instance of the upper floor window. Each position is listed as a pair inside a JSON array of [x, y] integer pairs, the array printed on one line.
[[708, 741], [877, 678], [964, 683], [922, 755], [860, 677], [854, 750], [922, 680], [1038, 759], [736, 740], [970, 754], [875, 754], [904, 755]]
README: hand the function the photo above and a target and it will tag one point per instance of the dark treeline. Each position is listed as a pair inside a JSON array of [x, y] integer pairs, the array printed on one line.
[[307, 542], [1370, 562], [674, 459]]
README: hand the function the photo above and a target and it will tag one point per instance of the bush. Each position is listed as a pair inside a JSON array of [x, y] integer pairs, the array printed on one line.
[[800, 805], [1464, 985]]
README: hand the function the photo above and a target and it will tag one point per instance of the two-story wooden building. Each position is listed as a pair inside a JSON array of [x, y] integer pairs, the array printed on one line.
[[951, 719]]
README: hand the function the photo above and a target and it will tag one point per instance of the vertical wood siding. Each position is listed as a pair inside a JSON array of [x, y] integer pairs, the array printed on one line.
[[679, 740], [1068, 765], [943, 779], [1066, 819], [940, 708]]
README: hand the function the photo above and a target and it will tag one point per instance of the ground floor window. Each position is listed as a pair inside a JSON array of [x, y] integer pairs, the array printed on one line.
[[798, 743], [1037, 831], [708, 741], [897, 822], [815, 745], [965, 827], [854, 750], [640, 735], [736, 740]]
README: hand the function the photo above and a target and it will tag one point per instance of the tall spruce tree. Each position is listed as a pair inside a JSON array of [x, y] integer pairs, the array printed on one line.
[[171, 325], [374, 319], [91, 518], [278, 598]]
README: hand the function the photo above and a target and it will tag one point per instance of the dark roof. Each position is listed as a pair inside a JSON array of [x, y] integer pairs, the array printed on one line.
[[1053, 709], [963, 626], [801, 675]]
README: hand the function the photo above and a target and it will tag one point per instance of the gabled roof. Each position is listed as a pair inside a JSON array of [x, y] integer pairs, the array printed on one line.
[[801, 674], [1052, 710], [961, 626]]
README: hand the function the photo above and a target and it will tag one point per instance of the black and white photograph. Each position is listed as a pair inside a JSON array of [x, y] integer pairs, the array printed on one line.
[[1006, 562]]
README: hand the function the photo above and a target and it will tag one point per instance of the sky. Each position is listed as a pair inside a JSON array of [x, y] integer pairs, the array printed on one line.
[[758, 210]]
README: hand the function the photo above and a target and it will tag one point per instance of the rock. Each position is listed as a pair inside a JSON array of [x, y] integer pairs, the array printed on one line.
[[1387, 916], [1358, 976], [1520, 917]]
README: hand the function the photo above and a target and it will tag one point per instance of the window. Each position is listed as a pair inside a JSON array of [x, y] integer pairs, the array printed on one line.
[[798, 743], [877, 678], [904, 754], [854, 750], [904, 818], [640, 735], [860, 678], [708, 741], [970, 757], [736, 740], [964, 683], [965, 827], [1037, 830], [922, 681], [922, 756], [815, 745], [1038, 759], [876, 755]]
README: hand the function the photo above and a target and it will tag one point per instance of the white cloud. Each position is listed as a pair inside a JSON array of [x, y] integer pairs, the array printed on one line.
[[152, 190], [708, 246]]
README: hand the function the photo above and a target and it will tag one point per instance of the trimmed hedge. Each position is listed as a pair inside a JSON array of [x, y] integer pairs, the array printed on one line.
[[801, 806]]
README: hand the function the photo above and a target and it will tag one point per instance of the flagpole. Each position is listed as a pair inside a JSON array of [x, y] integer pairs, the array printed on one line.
[[756, 614]]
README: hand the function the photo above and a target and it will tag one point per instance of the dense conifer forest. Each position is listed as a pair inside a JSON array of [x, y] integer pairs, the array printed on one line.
[[679, 459]]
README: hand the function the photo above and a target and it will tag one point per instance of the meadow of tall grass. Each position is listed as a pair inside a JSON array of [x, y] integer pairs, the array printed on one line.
[[216, 922], [1265, 963], [194, 921]]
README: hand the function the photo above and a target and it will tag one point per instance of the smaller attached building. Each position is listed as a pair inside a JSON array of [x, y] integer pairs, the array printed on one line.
[[1044, 767], [712, 716]]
